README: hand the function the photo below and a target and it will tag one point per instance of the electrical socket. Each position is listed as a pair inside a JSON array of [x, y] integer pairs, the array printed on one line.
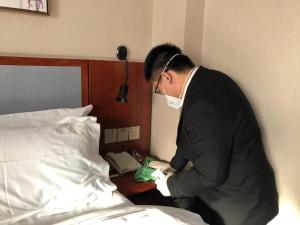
[[134, 133], [110, 136], [122, 134]]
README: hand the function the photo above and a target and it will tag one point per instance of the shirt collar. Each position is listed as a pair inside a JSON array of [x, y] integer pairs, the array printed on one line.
[[189, 81]]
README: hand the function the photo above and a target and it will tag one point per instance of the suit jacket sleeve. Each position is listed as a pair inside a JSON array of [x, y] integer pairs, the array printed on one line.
[[178, 162], [208, 142]]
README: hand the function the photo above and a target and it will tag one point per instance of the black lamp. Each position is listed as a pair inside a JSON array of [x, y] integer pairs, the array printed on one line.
[[122, 55]]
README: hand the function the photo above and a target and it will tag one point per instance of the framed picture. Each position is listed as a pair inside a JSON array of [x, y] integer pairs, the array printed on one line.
[[39, 6]]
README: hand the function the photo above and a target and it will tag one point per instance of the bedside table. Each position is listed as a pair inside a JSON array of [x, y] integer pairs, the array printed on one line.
[[129, 187], [141, 193]]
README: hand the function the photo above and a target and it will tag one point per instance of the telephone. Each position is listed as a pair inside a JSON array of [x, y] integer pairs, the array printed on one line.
[[123, 162]]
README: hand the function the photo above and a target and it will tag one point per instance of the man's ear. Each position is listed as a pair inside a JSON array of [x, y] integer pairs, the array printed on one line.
[[167, 76]]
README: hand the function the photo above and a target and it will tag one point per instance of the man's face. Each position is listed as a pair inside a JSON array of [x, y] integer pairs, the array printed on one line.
[[167, 84]]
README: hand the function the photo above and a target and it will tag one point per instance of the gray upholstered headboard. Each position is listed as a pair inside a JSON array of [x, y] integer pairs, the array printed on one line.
[[25, 88]]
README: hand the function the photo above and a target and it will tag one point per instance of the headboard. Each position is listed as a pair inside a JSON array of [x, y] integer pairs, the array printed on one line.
[[31, 76], [100, 82]]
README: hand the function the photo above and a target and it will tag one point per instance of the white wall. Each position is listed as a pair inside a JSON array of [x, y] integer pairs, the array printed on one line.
[[168, 26], [179, 22], [257, 42], [79, 29], [194, 20]]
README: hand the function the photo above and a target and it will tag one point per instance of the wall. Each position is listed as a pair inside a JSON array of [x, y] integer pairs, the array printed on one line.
[[79, 29], [179, 22], [168, 26], [257, 42], [194, 20]]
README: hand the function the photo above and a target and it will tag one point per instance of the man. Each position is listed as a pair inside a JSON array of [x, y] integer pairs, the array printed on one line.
[[231, 181]]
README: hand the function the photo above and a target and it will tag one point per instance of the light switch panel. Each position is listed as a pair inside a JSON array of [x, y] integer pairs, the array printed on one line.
[[110, 136], [122, 134], [134, 133]]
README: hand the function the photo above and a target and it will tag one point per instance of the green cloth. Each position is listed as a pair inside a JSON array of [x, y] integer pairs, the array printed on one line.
[[144, 173]]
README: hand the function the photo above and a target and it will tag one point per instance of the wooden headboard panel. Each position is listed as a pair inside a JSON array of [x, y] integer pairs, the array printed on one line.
[[105, 79], [100, 84]]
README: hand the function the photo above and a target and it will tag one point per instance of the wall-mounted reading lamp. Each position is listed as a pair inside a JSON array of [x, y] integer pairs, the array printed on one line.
[[122, 55]]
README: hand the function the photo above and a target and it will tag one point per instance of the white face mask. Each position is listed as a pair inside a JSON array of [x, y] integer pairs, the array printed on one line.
[[174, 102]]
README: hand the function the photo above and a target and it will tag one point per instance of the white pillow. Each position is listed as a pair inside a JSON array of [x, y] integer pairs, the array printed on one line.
[[39, 118], [51, 169]]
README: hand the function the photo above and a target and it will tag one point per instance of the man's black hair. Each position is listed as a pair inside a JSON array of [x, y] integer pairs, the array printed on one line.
[[159, 56]]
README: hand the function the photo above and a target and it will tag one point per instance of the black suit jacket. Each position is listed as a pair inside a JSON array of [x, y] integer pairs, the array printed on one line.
[[219, 133]]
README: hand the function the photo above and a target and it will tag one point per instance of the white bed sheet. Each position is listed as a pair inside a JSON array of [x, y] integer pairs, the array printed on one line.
[[137, 215], [117, 200], [118, 211]]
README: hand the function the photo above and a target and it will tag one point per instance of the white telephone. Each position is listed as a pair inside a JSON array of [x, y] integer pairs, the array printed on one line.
[[123, 162]]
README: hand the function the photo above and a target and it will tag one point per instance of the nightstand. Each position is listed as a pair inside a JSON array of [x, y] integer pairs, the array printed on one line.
[[129, 187], [140, 193]]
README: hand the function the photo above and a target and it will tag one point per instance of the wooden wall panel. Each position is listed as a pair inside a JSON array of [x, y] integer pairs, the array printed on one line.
[[104, 82]]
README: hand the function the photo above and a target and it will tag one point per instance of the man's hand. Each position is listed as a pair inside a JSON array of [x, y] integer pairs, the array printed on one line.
[[162, 186]]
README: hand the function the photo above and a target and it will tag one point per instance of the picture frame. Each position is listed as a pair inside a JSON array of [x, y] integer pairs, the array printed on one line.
[[36, 6]]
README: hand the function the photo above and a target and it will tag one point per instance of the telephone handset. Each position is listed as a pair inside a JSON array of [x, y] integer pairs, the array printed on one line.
[[123, 162]]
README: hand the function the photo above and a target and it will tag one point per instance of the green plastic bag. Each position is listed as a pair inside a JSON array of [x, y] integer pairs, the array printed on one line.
[[144, 173], [147, 160]]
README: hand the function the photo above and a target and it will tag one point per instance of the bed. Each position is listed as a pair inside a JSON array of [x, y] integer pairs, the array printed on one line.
[[51, 171]]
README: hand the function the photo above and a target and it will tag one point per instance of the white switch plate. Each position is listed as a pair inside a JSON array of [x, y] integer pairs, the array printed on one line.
[[134, 133], [122, 134], [110, 136]]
